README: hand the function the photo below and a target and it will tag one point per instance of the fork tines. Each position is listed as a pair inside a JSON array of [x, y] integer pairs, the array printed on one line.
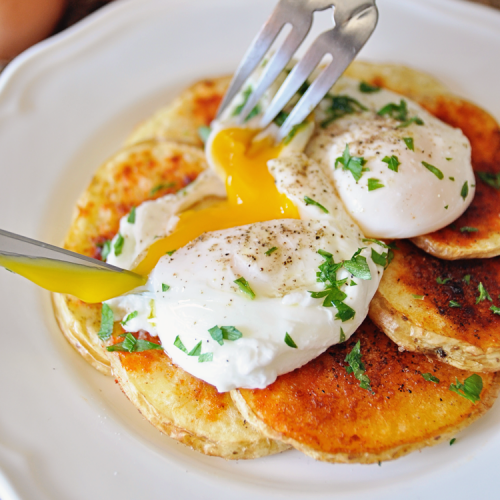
[[355, 21]]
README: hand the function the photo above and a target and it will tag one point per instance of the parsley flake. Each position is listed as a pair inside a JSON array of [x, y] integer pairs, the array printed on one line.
[[245, 287], [409, 143], [352, 163], [281, 118], [430, 378], [342, 336], [454, 303], [468, 229], [446, 207], [107, 321], [310, 201], [196, 350], [131, 344], [178, 343], [433, 169], [452, 441], [289, 341], [483, 294], [204, 132], [131, 216], [495, 309], [442, 281], [105, 249], [374, 184], [246, 95], [206, 357], [358, 266], [367, 88], [357, 367], [170, 252], [118, 246], [392, 162], [353, 283], [470, 389], [391, 245], [270, 251], [293, 132], [465, 190], [418, 297], [340, 106], [451, 178], [130, 316], [382, 259], [165, 287], [493, 180], [397, 111], [414, 119], [160, 187], [467, 278]]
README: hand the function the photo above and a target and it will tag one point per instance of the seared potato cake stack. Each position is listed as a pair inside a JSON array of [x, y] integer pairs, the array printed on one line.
[[320, 408]]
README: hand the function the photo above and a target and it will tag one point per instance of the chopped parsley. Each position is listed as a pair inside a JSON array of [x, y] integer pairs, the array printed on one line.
[[442, 281], [358, 266], [196, 350], [206, 357], [353, 283], [357, 367], [281, 118], [352, 163], [160, 187], [293, 132], [446, 207], [392, 162], [397, 111], [433, 169], [131, 216], [467, 278], [382, 259], [483, 294], [340, 106], [418, 297], [107, 321], [465, 190], [367, 88], [374, 184], [470, 389], [170, 252], [414, 119], [430, 378], [452, 441], [454, 303], [270, 251], [131, 344], [332, 294], [451, 178], [105, 249], [391, 245], [178, 343], [118, 246], [219, 334], [310, 201], [204, 132], [289, 341], [246, 95], [255, 111], [468, 229], [165, 287], [409, 143], [245, 287], [492, 180], [342, 335], [130, 316], [495, 309]]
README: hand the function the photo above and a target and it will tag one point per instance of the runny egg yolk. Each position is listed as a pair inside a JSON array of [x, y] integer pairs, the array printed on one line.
[[252, 195]]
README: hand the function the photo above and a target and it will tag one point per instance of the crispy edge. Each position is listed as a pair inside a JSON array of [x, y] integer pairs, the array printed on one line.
[[403, 332], [79, 323], [366, 458], [229, 451]]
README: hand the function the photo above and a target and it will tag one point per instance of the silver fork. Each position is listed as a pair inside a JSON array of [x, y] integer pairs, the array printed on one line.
[[355, 21]]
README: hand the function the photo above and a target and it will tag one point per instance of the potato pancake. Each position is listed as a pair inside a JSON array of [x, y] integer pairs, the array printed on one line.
[[321, 410], [441, 307]]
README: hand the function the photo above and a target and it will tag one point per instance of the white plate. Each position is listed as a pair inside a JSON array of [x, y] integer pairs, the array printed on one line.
[[67, 432]]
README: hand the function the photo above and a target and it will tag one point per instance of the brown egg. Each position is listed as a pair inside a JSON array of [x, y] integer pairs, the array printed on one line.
[[25, 22]]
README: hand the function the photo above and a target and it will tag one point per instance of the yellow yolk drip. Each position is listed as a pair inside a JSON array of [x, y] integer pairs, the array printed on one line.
[[252, 195], [89, 285]]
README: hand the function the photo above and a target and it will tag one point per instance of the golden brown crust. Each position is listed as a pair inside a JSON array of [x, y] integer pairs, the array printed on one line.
[[483, 132], [321, 410], [466, 337], [181, 119], [186, 408]]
